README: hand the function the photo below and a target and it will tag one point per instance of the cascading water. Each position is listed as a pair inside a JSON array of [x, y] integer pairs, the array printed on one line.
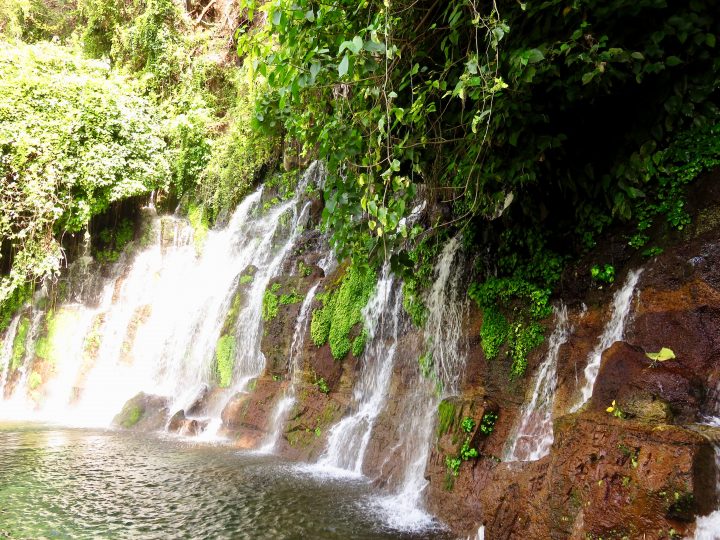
[[613, 331], [6, 351], [447, 308], [157, 321], [708, 527], [348, 439], [533, 435], [286, 402]]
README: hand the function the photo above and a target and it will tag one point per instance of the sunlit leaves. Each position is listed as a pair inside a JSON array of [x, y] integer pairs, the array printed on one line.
[[74, 138]]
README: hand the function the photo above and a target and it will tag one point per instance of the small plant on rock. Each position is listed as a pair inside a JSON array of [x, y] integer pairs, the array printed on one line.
[[466, 452], [604, 274], [322, 385], [615, 410], [487, 425], [453, 465]]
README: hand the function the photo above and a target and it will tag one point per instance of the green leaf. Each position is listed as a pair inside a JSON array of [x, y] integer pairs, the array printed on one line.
[[672, 61], [314, 69], [535, 56], [354, 46], [662, 356], [589, 76], [344, 65]]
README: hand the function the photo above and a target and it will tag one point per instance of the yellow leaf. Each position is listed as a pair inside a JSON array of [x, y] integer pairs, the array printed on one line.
[[662, 356], [610, 409]]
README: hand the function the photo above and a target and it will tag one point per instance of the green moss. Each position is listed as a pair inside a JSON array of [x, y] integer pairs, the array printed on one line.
[[321, 319], [57, 324], [13, 303], [446, 417], [247, 278], [225, 360], [232, 314], [322, 385], [200, 224], [35, 380], [530, 304], [494, 332], [413, 304], [18, 349], [271, 304], [131, 415], [358, 344], [524, 338], [304, 270], [342, 311], [292, 298]]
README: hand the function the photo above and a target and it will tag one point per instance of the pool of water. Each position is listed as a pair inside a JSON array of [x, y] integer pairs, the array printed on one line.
[[71, 483]]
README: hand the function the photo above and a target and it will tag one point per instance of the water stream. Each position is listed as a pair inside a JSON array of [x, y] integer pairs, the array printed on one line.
[[533, 435], [287, 400], [614, 331], [349, 438], [444, 363]]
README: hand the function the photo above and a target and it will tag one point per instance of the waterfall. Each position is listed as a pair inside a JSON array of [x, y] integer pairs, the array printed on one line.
[[447, 308], [533, 435], [348, 439], [6, 351], [613, 331], [708, 527], [286, 402], [158, 318]]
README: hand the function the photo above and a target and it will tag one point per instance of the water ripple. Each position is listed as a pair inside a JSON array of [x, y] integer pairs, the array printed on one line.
[[80, 484]]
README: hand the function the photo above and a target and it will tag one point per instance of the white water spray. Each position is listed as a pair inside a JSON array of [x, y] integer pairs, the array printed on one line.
[[533, 435], [158, 319], [614, 331]]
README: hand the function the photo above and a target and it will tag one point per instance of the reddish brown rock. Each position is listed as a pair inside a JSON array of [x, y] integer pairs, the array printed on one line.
[[609, 476], [247, 416]]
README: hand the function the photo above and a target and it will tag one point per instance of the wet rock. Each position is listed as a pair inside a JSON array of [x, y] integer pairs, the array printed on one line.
[[645, 389], [209, 400], [144, 412], [247, 416], [176, 422], [278, 330], [613, 476], [304, 436], [189, 427]]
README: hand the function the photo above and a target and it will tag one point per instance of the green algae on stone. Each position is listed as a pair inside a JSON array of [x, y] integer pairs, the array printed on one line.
[[58, 324], [130, 415], [18, 348], [225, 360], [342, 311]]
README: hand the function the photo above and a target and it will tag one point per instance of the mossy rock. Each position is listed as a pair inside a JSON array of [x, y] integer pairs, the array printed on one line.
[[144, 412], [648, 409]]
